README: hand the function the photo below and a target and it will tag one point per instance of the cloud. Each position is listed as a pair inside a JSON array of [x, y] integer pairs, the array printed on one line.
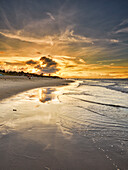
[[114, 41], [70, 36], [2, 52], [50, 15], [81, 60], [31, 62], [67, 36], [122, 27], [38, 52], [43, 65], [8, 34], [123, 30], [62, 42], [5, 19], [47, 65], [124, 22], [17, 63], [48, 61]]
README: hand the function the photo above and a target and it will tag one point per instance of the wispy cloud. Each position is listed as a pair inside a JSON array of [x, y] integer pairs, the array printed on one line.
[[27, 39], [123, 30], [5, 19], [69, 36], [114, 41], [122, 27], [124, 22], [64, 37], [50, 15]]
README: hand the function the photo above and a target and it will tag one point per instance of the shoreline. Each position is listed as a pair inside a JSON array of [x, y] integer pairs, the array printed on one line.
[[12, 85]]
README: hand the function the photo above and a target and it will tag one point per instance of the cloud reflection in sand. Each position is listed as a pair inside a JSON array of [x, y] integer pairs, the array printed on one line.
[[46, 94]]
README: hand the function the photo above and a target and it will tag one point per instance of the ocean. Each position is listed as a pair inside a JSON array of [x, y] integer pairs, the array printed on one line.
[[81, 126]]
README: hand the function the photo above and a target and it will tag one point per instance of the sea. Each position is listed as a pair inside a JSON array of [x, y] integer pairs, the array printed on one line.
[[83, 126]]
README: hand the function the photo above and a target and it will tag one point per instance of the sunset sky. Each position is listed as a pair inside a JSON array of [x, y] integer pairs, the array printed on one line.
[[67, 38]]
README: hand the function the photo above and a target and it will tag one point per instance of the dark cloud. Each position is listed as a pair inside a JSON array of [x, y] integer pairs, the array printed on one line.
[[48, 61], [47, 65], [38, 52], [31, 62], [44, 65], [38, 67]]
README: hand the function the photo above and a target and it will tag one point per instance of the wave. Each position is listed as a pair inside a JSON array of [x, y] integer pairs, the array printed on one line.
[[117, 85], [105, 104]]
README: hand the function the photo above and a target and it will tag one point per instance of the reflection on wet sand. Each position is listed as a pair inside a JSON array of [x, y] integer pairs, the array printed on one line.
[[46, 94], [44, 134]]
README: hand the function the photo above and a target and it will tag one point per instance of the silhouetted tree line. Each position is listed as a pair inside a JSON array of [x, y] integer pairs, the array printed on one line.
[[22, 73]]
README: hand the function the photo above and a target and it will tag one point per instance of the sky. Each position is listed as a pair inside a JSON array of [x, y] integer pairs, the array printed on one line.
[[67, 38]]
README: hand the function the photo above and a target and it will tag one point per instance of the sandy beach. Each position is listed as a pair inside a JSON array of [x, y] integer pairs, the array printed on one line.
[[11, 85], [71, 127]]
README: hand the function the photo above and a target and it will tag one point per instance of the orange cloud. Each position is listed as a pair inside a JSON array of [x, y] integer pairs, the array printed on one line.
[[2, 52]]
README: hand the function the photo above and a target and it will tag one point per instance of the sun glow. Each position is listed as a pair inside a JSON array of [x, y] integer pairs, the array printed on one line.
[[34, 70]]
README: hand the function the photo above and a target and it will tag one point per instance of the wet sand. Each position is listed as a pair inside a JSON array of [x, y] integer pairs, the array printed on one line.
[[11, 85], [32, 138], [51, 129]]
